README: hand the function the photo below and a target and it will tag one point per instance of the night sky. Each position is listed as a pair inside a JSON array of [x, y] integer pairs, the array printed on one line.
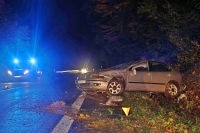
[[58, 28]]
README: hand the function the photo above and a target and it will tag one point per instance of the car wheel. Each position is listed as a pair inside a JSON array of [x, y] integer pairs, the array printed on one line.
[[115, 87], [172, 90]]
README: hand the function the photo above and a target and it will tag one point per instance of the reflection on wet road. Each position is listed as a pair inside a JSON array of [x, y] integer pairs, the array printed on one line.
[[23, 104]]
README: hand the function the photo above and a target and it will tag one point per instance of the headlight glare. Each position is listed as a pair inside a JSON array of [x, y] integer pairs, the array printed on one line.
[[32, 60], [84, 70], [16, 61], [26, 72], [9, 72]]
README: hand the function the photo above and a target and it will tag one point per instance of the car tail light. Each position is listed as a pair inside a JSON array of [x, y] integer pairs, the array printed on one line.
[[39, 72]]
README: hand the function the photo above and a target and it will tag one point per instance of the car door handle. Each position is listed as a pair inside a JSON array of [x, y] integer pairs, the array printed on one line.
[[168, 75], [148, 74]]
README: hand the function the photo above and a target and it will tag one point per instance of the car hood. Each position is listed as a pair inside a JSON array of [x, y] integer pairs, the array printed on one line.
[[109, 70], [106, 72]]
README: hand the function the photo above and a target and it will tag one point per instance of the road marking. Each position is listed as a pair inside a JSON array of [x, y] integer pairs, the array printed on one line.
[[65, 123]]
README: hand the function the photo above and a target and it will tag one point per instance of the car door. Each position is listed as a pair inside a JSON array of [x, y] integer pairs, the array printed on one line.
[[138, 77], [161, 75]]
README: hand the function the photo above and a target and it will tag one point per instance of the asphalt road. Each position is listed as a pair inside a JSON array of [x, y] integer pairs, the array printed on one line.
[[26, 106]]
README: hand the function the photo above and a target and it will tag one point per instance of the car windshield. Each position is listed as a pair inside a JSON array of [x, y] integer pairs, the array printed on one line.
[[122, 66]]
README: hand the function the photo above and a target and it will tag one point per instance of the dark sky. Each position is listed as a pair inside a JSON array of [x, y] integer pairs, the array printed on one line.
[[50, 15], [59, 27]]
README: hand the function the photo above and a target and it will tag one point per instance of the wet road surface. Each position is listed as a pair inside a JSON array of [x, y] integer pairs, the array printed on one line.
[[23, 104]]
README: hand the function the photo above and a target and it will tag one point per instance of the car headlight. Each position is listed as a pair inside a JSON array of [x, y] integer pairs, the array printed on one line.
[[9, 72], [84, 70], [26, 72]]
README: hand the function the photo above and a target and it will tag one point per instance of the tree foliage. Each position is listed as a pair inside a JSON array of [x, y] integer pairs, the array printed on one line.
[[167, 29]]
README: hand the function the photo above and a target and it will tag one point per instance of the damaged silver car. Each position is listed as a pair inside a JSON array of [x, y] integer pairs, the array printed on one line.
[[148, 76]]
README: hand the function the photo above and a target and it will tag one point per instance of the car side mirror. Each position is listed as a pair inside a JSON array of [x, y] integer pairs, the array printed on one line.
[[134, 72]]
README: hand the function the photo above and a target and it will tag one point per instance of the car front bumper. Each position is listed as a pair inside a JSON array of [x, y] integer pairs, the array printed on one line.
[[97, 85]]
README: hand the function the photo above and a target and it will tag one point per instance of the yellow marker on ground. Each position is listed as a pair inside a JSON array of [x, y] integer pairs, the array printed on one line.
[[126, 110]]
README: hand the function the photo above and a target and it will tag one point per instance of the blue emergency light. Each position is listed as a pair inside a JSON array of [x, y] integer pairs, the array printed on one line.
[[16, 61]]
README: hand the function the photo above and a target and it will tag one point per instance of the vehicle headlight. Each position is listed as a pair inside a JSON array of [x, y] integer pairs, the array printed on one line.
[[9, 72], [26, 72], [84, 70]]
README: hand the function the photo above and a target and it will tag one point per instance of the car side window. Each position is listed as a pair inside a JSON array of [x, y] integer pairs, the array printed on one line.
[[142, 67], [159, 67]]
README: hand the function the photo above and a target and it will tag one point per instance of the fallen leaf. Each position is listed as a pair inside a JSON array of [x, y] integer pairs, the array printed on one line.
[[81, 115], [110, 110], [87, 115]]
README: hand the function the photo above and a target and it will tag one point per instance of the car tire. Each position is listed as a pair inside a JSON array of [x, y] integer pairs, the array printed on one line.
[[172, 90], [115, 87]]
